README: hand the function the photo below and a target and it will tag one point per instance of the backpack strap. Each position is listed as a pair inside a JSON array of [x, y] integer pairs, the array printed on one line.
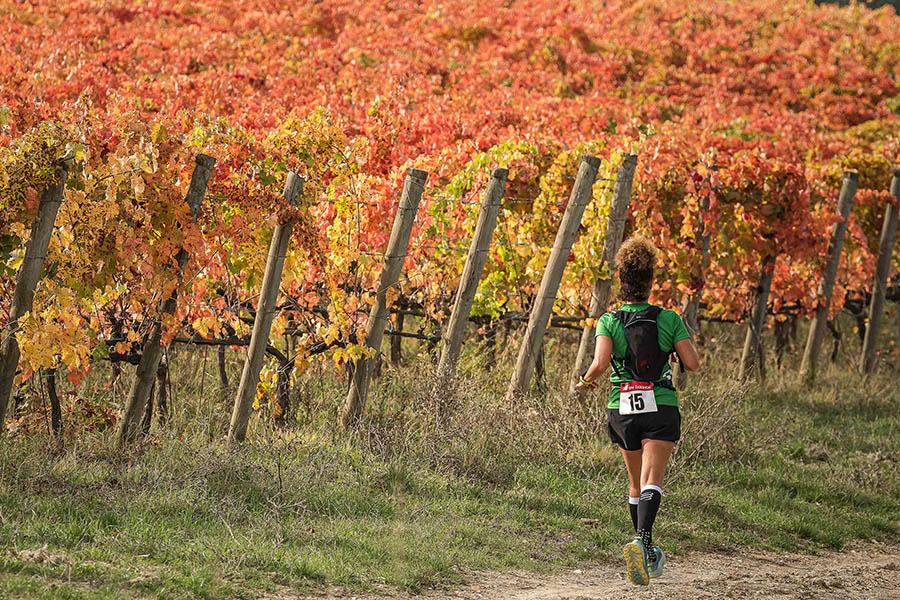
[[652, 311], [613, 363], [655, 311], [618, 364]]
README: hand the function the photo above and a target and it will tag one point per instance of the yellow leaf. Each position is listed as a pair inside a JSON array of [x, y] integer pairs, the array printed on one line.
[[69, 357], [65, 237], [200, 327], [279, 325], [390, 295], [159, 133]]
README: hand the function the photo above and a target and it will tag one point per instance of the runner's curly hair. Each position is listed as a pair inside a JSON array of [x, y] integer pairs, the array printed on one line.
[[636, 260]]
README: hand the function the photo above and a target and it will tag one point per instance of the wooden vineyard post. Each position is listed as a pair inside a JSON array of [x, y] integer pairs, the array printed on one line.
[[142, 385], [543, 305], [752, 357], [283, 389], [223, 372], [468, 283], [55, 407], [396, 346], [826, 285], [394, 255], [879, 289], [26, 282], [615, 230], [162, 396], [265, 314]]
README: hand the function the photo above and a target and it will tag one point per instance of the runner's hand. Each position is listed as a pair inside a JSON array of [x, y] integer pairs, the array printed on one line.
[[585, 385]]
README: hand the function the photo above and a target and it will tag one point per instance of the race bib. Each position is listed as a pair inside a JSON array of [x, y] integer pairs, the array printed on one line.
[[636, 397]]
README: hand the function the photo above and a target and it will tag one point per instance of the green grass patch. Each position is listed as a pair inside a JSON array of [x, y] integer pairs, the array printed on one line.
[[422, 490]]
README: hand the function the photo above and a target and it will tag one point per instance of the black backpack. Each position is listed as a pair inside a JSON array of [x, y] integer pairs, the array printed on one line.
[[643, 361]]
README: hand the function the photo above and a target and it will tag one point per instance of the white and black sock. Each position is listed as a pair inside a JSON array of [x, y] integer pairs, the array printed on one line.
[[633, 508], [648, 506]]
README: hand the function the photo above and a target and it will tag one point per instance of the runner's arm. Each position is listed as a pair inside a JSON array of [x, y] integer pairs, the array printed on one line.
[[687, 354], [602, 355]]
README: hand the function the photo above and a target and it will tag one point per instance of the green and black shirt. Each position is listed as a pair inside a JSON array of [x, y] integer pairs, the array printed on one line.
[[671, 330]]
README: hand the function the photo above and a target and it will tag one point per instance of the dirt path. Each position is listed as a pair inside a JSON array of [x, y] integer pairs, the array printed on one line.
[[852, 574]]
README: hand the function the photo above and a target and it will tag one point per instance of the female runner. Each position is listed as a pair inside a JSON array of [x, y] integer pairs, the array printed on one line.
[[643, 419]]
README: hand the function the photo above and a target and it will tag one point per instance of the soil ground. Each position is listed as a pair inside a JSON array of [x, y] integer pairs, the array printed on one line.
[[862, 571]]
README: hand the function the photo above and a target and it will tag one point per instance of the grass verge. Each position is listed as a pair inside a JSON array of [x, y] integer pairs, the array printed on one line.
[[429, 485]]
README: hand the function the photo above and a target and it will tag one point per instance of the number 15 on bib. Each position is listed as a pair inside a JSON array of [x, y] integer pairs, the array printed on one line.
[[636, 397]]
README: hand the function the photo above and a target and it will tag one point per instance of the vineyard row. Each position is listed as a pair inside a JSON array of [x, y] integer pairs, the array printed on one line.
[[366, 345]]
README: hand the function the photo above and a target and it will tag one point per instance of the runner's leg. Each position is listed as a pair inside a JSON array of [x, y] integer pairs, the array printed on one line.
[[635, 555], [633, 465], [633, 502], [655, 459], [653, 469]]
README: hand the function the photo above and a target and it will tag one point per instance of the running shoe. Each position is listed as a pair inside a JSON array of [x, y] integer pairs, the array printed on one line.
[[655, 568], [636, 562]]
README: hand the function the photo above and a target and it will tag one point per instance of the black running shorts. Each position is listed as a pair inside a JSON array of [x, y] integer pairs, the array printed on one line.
[[628, 430]]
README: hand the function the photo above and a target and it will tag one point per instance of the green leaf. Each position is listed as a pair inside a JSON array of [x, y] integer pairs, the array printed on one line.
[[100, 351]]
